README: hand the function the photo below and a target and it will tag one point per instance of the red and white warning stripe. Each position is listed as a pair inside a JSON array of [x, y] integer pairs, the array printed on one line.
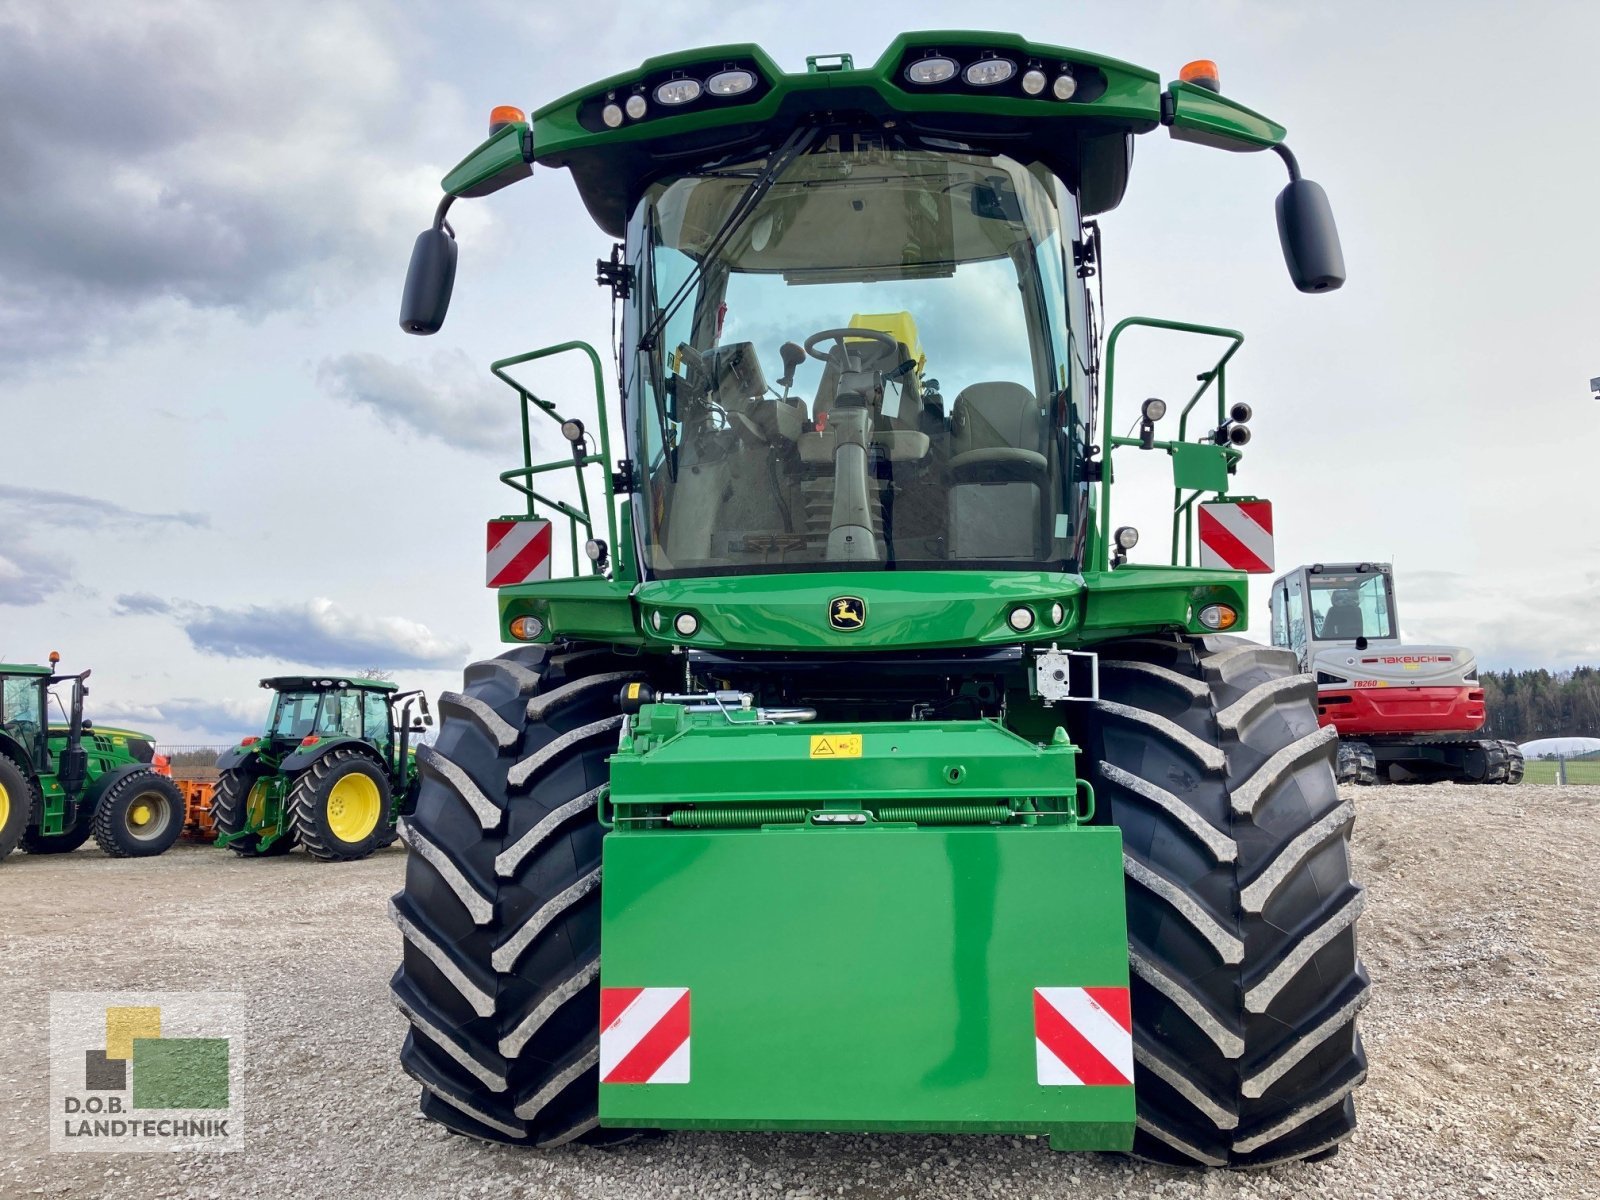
[[1083, 1035], [644, 1035], [1237, 535], [519, 551]]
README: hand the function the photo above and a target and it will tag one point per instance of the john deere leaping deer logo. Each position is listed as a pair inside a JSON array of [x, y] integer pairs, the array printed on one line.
[[847, 612]]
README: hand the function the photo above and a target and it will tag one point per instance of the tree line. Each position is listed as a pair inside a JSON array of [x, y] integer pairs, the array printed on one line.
[[1524, 705]]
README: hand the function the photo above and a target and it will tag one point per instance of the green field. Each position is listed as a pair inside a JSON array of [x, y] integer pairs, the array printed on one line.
[[1578, 771]]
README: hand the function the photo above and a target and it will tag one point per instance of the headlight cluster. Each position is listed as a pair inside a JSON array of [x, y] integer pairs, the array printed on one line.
[[664, 96], [992, 71]]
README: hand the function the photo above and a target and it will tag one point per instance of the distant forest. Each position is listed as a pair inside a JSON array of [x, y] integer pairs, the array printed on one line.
[[1524, 705]]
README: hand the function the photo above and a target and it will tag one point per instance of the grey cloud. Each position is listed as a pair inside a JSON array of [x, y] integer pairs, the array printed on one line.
[[453, 400], [315, 633], [28, 576], [227, 719], [141, 604], [69, 510], [126, 131]]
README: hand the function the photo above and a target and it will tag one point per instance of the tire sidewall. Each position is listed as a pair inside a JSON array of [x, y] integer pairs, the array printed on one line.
[[19, 791]]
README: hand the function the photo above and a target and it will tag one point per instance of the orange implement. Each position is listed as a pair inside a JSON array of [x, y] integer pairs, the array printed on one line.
[[198, 824]]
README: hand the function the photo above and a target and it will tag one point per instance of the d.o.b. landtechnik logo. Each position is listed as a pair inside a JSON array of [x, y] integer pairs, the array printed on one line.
[[152, 1071]]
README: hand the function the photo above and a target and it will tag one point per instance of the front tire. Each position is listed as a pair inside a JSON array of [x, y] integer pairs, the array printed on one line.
[[339, 806], [1241, 912], [140, 816], [500, 909], [82, 829]]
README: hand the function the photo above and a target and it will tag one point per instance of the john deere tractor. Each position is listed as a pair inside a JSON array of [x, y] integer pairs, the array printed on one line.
[[860, 780], [62, 783], [332, 772]]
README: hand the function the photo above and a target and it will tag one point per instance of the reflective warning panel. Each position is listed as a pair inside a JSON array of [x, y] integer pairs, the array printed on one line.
[[1236, 535], [1083, 1035], [519, 551]]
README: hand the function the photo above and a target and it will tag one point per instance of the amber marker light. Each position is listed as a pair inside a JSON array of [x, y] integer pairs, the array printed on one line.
[[508, 114], [1202, 72]]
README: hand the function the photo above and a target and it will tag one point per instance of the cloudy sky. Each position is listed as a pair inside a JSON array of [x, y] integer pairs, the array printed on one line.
[[223, 459]]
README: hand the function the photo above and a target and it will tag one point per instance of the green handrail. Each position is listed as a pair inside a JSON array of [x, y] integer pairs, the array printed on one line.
[[1101, 554], [522, 479]]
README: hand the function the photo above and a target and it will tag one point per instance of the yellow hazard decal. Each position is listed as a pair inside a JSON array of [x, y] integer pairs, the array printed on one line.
[[633, 691], [836, 745]]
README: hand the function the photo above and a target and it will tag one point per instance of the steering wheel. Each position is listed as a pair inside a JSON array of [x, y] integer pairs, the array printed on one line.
[[838, 337]]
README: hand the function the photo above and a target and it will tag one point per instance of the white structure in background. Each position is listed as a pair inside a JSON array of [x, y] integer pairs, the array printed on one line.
[[1561, 747]]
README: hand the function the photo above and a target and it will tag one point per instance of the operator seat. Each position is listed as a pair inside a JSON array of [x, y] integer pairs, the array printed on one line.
[[1344, 617], [997, 472]]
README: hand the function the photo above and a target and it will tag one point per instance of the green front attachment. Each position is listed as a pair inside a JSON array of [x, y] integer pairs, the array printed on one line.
[[265, 812], [867, 959]]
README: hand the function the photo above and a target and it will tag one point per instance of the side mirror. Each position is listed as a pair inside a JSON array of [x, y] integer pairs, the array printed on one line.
[[1309, 236], [429, 281]]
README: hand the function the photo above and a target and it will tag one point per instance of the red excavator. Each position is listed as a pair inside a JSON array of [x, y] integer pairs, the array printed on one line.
[[1404, 714]]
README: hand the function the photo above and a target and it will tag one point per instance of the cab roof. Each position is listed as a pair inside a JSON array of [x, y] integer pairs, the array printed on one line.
[[326, 683], [23, 669]]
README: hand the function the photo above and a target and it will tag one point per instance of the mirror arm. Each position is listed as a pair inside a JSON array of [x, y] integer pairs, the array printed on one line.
[[438, 214], [1282, 150]]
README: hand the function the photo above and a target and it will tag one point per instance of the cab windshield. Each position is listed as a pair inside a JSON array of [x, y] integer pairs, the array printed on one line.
[[1350, 606], [874, 369], [299, 714]]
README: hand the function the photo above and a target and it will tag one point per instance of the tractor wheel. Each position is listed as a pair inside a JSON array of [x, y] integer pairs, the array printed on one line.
[[1356, 764], [231, 803], [35, 842], [16, 804], [1515, 764], [1241, 913], [339, 806], [140, 816], [501, 906]]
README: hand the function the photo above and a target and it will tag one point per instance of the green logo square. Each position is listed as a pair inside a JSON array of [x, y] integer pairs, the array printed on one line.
[[180, 1072]]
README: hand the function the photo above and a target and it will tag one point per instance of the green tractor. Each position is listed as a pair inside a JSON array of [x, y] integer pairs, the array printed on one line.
[[62, 783], [917, 805], [333, 770]]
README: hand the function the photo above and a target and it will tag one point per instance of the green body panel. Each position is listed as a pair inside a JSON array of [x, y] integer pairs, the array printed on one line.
[[499, 161], [670, 757], [904, 609], [1197, 465], [23, 669], [1202, 116], [871, 978]]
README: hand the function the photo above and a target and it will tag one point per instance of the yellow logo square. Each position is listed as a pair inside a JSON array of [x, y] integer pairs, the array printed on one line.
[[125, 1024]]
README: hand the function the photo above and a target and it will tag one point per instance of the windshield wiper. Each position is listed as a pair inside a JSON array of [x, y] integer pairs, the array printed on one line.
[[796, 144]]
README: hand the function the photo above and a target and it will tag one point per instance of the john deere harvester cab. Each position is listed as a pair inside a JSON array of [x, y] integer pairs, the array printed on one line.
[[1404, 713], [63, 781], [332, 771], [918, 804]]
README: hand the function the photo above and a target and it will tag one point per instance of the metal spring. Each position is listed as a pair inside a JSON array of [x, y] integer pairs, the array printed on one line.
[[742, 816], [944, 814]]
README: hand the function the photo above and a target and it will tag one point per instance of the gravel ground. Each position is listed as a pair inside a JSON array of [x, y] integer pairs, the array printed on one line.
[[1480, 934]]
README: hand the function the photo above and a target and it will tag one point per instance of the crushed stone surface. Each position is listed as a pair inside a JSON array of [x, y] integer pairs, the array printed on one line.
[[1481, 934]]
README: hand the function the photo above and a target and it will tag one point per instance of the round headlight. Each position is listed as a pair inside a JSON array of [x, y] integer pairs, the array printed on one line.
[[687, 624], [1058, 613], [595, 550], [1020, 618], [987, 72], [1127, 537], [1033, 81], [730, 83], [1218, 616], [611, 114], [572, 430], [636, 106], [1065, 86], [526, 629], [655, 620], [678, 91], [1154, 409], [931, 70]]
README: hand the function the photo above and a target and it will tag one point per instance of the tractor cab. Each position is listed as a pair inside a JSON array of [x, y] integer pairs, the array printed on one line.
[[24, 711], [1344, 604]]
